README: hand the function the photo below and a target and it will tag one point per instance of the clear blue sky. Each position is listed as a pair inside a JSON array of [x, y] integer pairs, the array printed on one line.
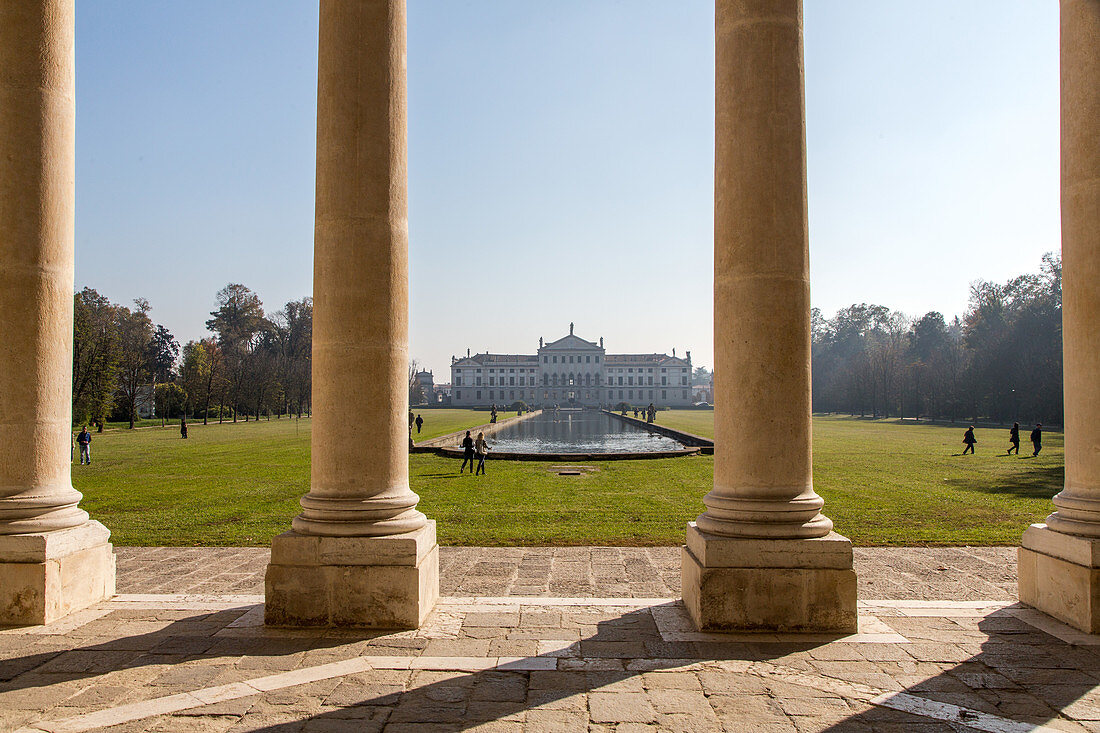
[[561, 158]]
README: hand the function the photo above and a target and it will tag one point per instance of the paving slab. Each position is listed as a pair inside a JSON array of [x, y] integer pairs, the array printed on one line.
[[183, 648]]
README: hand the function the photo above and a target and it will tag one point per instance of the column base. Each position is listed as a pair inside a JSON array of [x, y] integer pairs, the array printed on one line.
[[387, 582], [749, 584], [1059, 574], [45, 576]]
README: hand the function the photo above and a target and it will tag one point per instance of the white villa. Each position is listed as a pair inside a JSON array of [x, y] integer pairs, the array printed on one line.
[[571, 372]]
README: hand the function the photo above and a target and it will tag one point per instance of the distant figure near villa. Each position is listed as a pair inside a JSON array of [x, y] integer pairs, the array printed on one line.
[[84, 440], [183, 428], [467, 452], [493, 415], [419, 424], [635, 413], [1037, 438], [482, 450], [412, 419], [1014, 439], [651, 415], [970, 440]]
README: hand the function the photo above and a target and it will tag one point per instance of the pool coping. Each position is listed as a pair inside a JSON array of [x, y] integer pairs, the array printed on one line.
[[446, 445], [704, 445]]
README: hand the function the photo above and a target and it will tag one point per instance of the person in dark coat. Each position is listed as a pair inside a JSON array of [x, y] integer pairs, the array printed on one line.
[[467, 452], [84, 441], [970, 440], [1037, 438], [419, 424], [183, 428], [1014, 439]]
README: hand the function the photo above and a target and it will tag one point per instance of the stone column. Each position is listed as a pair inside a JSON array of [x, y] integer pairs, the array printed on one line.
[[53, 559], [763, 556], [360, 553], [1059, 568]]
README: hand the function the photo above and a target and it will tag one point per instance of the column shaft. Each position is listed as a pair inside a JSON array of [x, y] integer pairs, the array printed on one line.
[[37, 193], [53, 559], [763, 485], [1059, 562], [1078, 505], [359, 477], [360, 554]]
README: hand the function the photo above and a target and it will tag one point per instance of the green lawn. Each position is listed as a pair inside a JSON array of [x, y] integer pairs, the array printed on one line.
[[443, 421], [884, 483]]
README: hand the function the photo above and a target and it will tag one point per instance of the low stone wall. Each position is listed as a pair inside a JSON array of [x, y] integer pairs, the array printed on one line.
[[705, 445], [574, 457], [453, 440]]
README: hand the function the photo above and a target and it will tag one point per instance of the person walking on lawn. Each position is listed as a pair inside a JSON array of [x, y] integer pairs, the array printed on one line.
[[84, 440], [482, 450], [183, 427], [419, 424], [1037, 438], [970, 440], [1014, 439], [467, 452]]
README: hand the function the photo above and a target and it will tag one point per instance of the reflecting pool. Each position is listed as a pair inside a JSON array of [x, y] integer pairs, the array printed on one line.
[[580, 431]]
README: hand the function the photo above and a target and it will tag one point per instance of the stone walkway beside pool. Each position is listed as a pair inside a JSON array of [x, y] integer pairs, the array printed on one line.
[[551, 639]]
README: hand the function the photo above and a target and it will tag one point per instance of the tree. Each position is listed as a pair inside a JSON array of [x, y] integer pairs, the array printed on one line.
[[135, 333], [238, 321], [701, 375], [201, 374], [95, 356], [293, 331], [163, 351], [170, 399]]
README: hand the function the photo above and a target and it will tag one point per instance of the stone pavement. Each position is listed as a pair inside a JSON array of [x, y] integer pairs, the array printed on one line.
[[174, 659], [947, 573]]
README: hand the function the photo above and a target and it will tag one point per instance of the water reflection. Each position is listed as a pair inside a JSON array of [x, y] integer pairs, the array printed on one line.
[[585, 431]]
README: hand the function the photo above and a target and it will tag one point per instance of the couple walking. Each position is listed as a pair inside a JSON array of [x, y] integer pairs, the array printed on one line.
[[1036, 438], [471, 448]]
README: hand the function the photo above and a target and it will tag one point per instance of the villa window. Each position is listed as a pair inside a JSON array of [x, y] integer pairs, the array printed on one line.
[[555, 358], [544, 358], [597, 359], [458, 381], [479, 381], [458, 395], [588, 359], [479, 394], [685, 394], [663, 394], [492, 381], [664, 381]]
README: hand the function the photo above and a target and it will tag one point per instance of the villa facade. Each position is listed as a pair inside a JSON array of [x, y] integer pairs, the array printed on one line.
[[571, 372]]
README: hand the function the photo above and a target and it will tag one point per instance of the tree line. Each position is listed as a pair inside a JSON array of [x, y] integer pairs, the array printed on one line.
[[1002, 360], [254, 364]]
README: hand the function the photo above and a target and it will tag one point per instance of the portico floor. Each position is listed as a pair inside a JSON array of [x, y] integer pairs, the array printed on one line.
[[562, 639]]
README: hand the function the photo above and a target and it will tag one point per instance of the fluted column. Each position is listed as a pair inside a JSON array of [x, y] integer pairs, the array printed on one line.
[[763, 485], [1060, 561], [38, 504], [360, 553]]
